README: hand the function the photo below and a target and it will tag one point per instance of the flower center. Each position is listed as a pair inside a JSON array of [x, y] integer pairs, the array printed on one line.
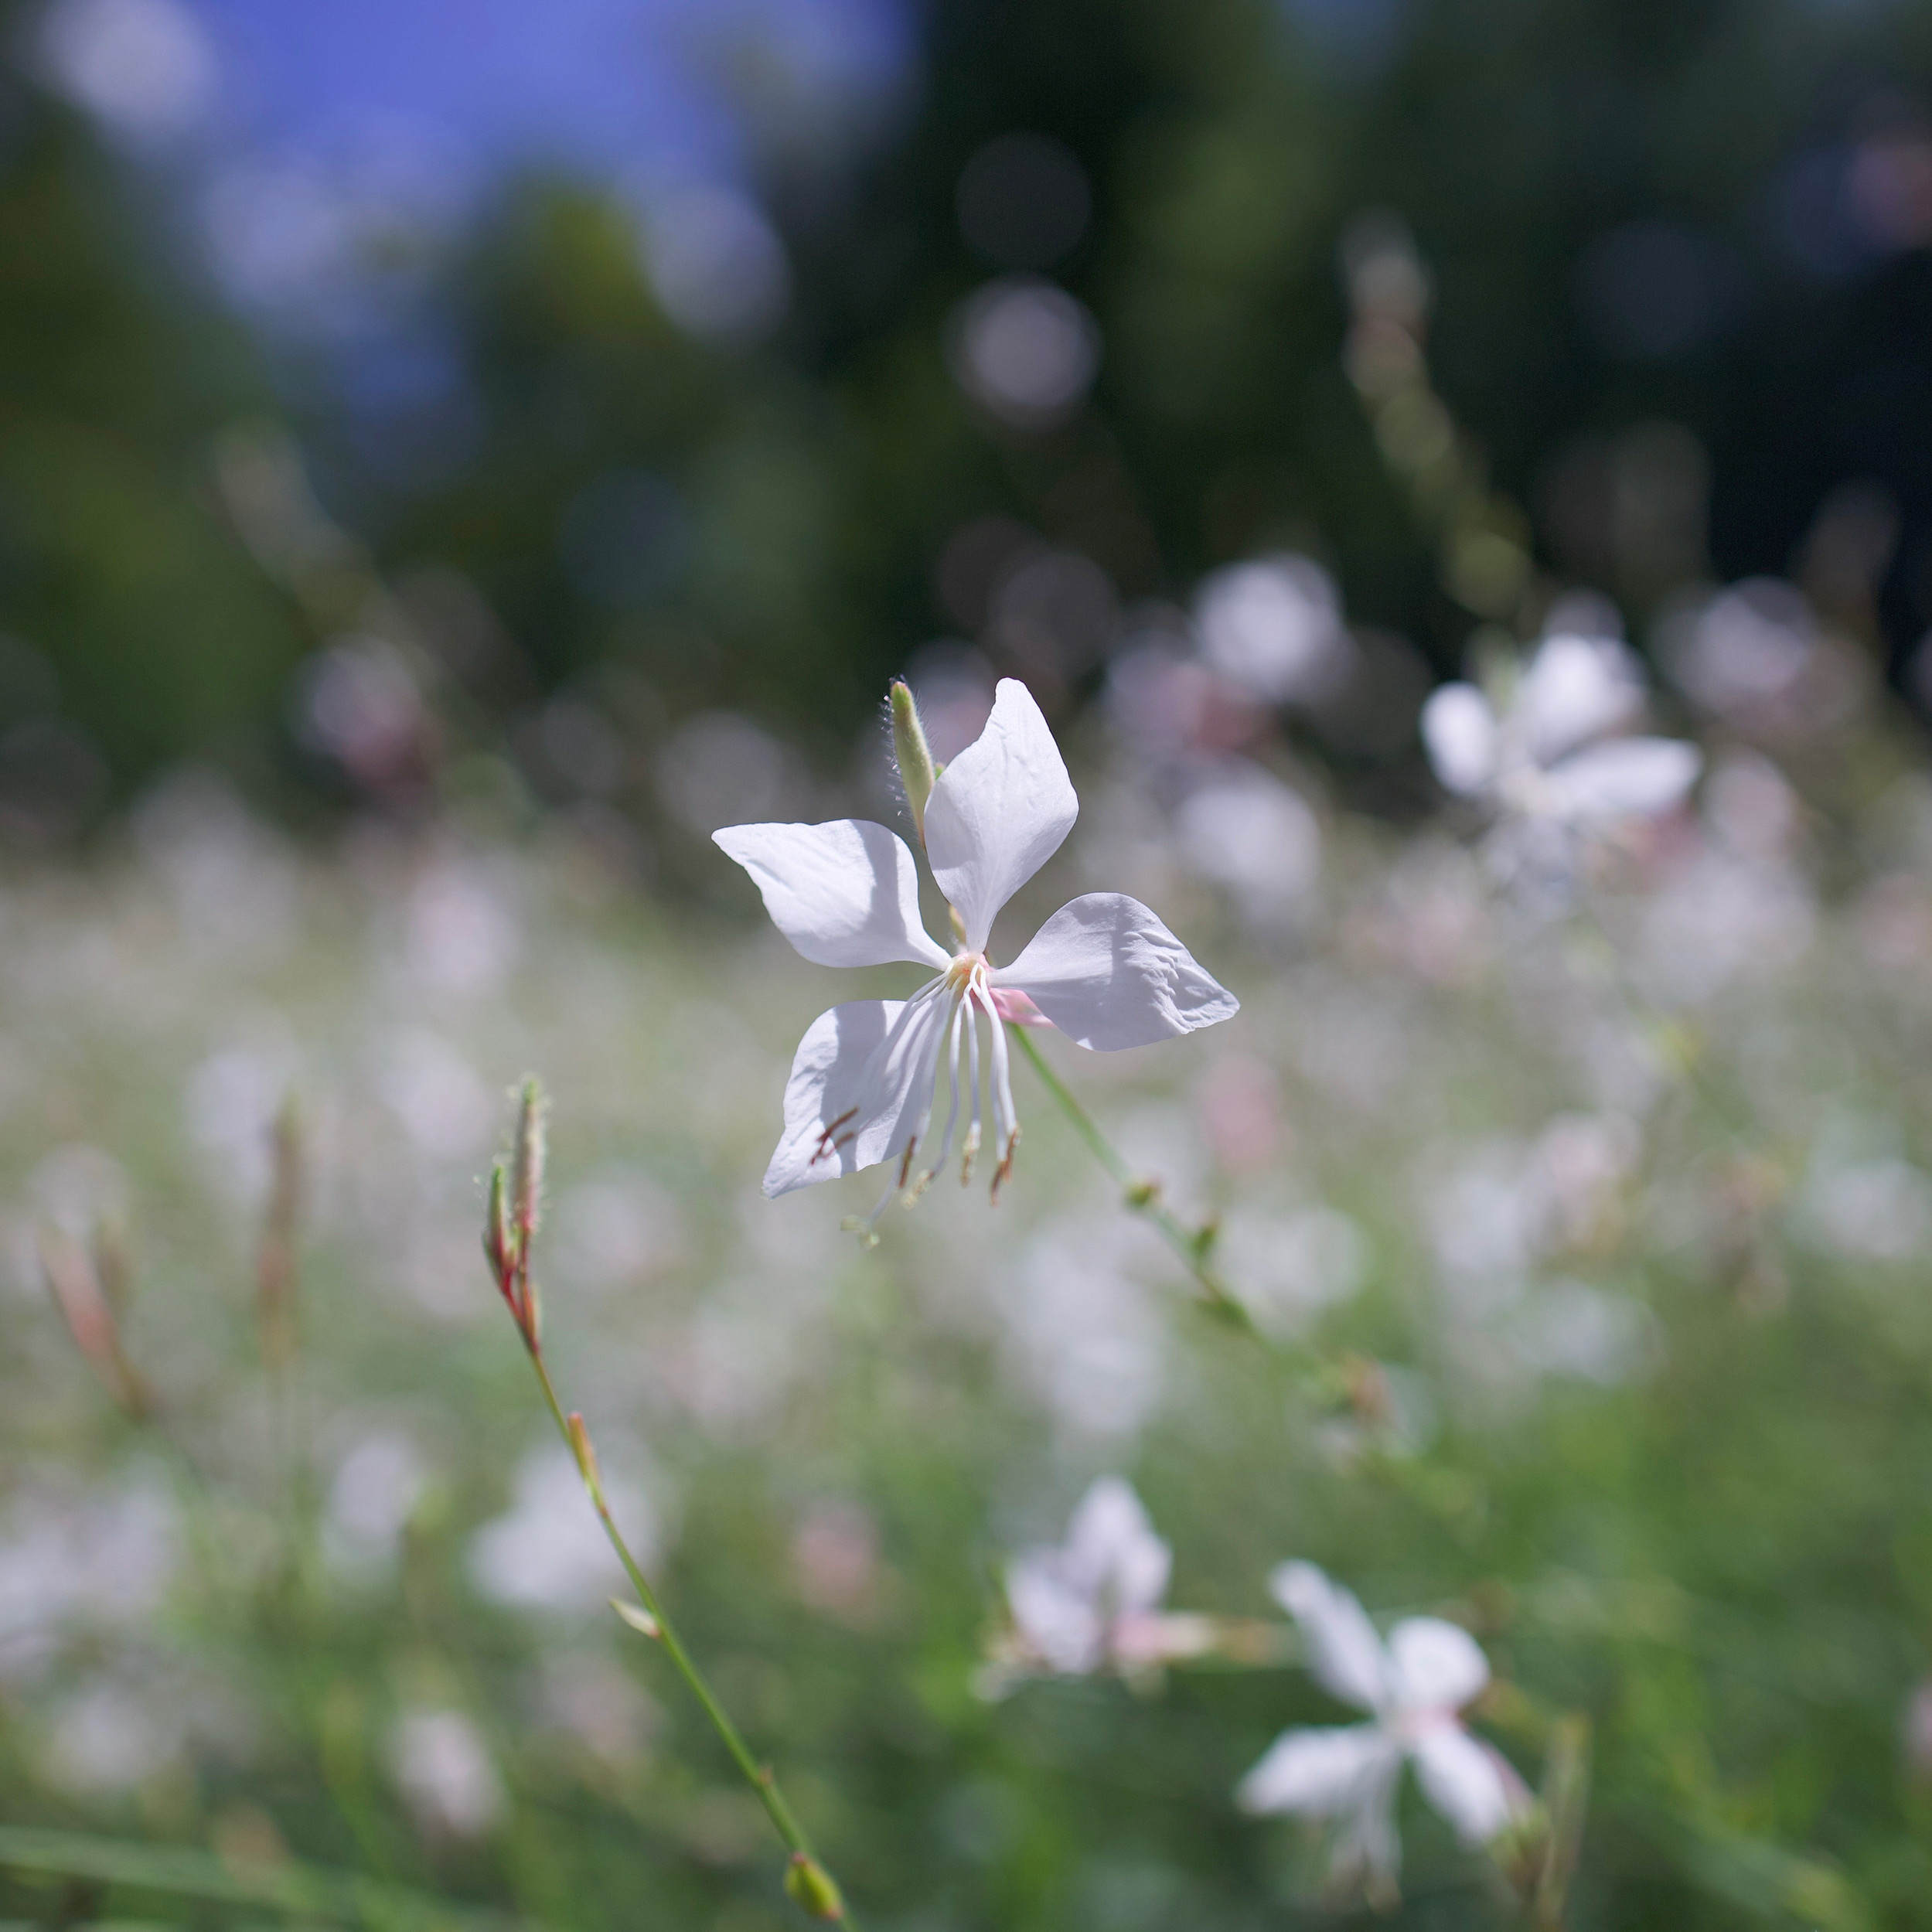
[[959, 974]]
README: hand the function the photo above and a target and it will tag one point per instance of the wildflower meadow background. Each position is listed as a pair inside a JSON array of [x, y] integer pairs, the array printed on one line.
[[1447, 1444]]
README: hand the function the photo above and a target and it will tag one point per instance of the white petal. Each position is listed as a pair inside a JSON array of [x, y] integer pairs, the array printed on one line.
[[1436, 1666], [1058, 1622], [1459, 733], [1575, 689], [845, 893], [1000, 811], [853, 1089], [1629, 778], [1319, 1773], [1367, 1848], [1344, 1653], [1113, 1550], [1468, 1782], [1109, 974]]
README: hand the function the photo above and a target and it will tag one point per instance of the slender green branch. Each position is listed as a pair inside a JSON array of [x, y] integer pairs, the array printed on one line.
[[808, 1869], [1140, 1196]]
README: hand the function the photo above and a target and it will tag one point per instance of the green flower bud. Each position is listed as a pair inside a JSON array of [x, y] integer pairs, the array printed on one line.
[[527, 1195], [917, 771], [496, 1246], [809, 1884]]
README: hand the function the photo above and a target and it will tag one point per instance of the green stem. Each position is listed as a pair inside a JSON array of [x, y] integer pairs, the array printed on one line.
[[759, 1776], [1143, 1197]]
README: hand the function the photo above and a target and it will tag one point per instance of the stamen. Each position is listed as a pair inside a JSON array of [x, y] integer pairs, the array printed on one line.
[[1002, 1085], [973, 1078], [952, 1113], [829, 1137]]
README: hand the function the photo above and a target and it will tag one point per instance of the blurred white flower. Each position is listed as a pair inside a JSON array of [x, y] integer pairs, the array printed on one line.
[[1248, 832], [1553, 755], [835, 1558], [717, 763], [358, 703], [600, 1704], [1872, 1210], [1103, 970], [715, 262], [445, 1107], [1081, 1331], [372, 1495], [614, 1230], [1273, 628], [1025, 350], [442, 1767], [461, 935], [231, 1101], [1717, 919], [1093, 1603], [101, 1559], [1413, 1687], [1290, 1266], [145, 67], [111, 1738], [1746, 649], [1570, 1328], [549, 1552]]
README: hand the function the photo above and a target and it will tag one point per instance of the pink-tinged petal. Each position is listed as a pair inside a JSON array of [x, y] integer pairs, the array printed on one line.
[[1109, 974], [1575, 689], [1473, 1787], [854, 1090], [1016, 1009], [999, 812], [1161, 1637], [1321, 1774], [1344, 1653], [1112, 1549], [1436, 1666], [1628, 778], [1458, 734], [845, 893]]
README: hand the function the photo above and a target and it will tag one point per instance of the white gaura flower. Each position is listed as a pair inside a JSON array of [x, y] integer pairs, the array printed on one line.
[[1412, 1687], [1093, 1602], [1103, 970], [1555, 753]]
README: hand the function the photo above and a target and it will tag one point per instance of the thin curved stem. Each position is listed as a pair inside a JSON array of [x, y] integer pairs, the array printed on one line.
[[759, 1776], [1143, 1197]]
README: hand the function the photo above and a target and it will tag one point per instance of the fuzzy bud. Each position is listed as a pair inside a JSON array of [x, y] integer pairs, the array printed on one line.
[[74, 1283], [638, 1618], [916, 772], [532, 1142], [810, 1887], [586, 1456], [497, 1242]]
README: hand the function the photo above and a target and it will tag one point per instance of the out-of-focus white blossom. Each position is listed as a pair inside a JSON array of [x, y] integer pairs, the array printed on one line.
[[1413, 1687], [145, 67], [1749, 647], [443, 1769], [549, 1552], [715, 262], [372, 1495], [1273, 628], [73, 1562], [1292, 1265], [1092, 1603], [1026, 351], [1248, 832], [1556, 753], [1081, 1331]]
